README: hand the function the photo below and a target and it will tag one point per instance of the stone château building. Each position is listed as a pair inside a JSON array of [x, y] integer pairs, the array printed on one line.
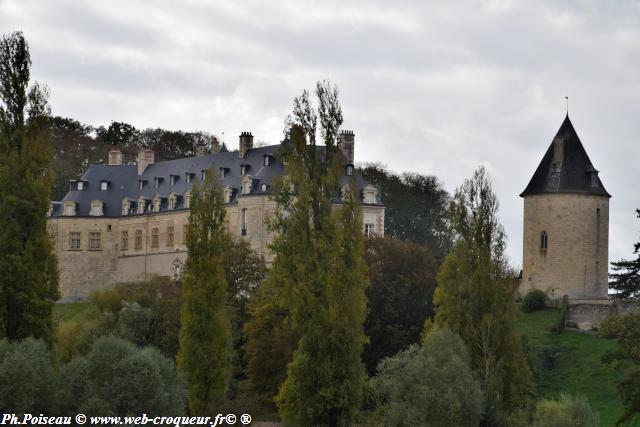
[[566, 223], [121, 223]]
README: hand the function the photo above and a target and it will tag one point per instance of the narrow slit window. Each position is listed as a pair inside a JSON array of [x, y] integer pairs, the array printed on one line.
[[544, 240]]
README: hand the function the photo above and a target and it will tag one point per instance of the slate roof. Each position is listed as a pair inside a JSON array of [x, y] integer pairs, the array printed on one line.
[[124, 180], [565, 167]]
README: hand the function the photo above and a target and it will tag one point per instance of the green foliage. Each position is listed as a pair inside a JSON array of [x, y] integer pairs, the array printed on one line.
[[29, 280], [26, 377], [629, 354], [475, 298], [205, 354], [402, 277], [565, 412], [415, 208], [430, 385], [314, 295], [535, 299], [118, 378], [612, 326], [626, 277]]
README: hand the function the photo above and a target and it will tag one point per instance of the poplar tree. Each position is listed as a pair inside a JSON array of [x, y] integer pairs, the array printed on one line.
[[475, 299], [205, 354], [318, 278], [28, 266]]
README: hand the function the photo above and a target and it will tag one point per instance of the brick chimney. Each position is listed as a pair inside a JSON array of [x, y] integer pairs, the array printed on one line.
[[215, 145], [201, 150], [346, 144], [246, 143], [145, 158], [115, 158]]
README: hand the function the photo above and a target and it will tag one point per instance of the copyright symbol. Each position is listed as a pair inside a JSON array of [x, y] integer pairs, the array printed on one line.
[[81, 418], [245, 419], [231, 419]]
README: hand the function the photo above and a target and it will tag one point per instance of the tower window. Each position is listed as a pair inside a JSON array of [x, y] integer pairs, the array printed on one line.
[[543, 240], [243, 224]]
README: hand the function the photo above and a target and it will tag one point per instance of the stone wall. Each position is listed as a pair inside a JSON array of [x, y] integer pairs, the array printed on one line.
[[84, 270], [588, 315], [575, 262]]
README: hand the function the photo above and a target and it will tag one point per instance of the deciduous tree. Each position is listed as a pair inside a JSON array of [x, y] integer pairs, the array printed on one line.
[[29, 279], [205, 335], [626, 277]]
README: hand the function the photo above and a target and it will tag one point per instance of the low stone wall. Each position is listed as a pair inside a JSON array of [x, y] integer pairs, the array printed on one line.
[[588, 315]]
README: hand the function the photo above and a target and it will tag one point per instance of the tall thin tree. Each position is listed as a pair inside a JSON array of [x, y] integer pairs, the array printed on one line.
[[205, 354], [28, 266]]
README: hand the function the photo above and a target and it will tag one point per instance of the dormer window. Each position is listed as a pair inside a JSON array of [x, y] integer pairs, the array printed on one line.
[[141, 183], [264, 187], [173, 179], [104, 185], [268, 160], [228, 194], [141, 205], [247, 183], [188, 177], [157, 181], [69, 208], [171, 201], [80, 186], [203, 175], [96, 208], [370, 195], [126, 207], [156, 203], [244, 169], [223, 172], [349, 170], [187, 200]]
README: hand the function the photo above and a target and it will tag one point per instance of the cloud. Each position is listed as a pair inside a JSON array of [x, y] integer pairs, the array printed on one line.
[[432, 87]]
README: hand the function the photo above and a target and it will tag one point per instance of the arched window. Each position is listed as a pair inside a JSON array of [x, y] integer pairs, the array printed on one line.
[[543, 240]]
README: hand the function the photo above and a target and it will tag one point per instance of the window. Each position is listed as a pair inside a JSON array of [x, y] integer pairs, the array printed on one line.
[[188, 177], [140, 184], [369, 230], [228, 194], [247, 183], [187, 200], [185, 228], [264, 187], [138, 239], [171, 201], [94, 240], [543, 241], [349, 170], [69, 208], [141, 205], [80, 185], [172, 179], [156, 182], [203, 175], [243, 226], [267, 160], [594, 179], [170, 235], [74, 240], [124, 241], [222, 173], [155, 237], [156, 204], [243, 169], [96, 208], [104, 185], [126, 207]]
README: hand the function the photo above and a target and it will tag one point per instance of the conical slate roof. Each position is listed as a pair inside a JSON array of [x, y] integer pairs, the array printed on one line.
[[565, 167]]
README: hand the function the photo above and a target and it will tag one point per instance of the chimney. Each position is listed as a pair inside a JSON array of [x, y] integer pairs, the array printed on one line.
[[346, 145], [201, 150], [115, 158], [246, 143], [215, 145], [145, 158]]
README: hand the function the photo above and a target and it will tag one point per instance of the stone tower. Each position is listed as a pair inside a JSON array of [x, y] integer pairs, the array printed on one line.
[[566, 223]]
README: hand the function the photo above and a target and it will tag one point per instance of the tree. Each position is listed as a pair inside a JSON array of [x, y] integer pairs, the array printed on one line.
[[475, 298], [205, 335], [626, 279], [29, 280], [319, 274], [628, 354], [402, 277], [565, 412], [416, 208], [429, 385]]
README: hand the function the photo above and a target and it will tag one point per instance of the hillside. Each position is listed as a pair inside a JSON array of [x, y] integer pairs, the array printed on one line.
[[570, 363]]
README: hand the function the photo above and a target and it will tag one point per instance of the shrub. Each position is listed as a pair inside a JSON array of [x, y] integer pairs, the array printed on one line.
[[534, 300], [429, 385], [565, 412], [26, 377], [612, 326]]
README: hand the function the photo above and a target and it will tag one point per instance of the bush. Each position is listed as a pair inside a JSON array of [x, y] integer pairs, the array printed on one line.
[[26, 377], [565, 412], [612, 326], [534, 300], [430, 385]]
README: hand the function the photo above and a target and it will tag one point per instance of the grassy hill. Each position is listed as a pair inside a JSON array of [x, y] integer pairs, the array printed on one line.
[[570, 363]]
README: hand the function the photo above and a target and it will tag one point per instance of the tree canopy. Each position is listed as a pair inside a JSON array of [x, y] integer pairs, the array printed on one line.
[[625, 279]]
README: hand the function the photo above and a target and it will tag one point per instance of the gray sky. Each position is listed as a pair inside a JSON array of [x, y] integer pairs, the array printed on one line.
[[428, 86]]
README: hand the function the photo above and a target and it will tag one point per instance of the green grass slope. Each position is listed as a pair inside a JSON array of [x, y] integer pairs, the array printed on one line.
[[571, 363], [72, 311]]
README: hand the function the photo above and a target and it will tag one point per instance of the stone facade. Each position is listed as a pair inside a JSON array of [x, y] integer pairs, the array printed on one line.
[[576, 229]]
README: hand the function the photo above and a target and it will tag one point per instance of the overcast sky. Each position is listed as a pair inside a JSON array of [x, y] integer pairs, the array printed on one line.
[[432, 87]]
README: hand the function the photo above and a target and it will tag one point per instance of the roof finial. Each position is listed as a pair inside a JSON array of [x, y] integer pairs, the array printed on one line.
[[567, 100]]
